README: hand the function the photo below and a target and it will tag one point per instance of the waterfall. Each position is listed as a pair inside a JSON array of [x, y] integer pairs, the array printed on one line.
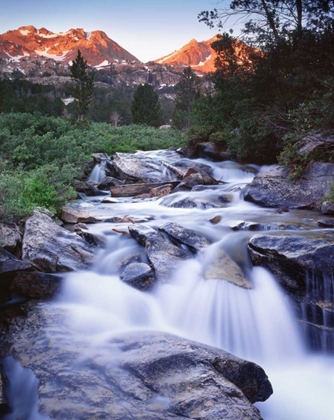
[[258, 324]]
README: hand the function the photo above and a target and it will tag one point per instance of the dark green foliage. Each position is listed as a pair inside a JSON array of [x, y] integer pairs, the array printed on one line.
[[84, 85], [188, 90], [145, 107]]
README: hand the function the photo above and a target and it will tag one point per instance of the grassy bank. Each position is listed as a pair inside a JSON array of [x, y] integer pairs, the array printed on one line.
[[41, 156]]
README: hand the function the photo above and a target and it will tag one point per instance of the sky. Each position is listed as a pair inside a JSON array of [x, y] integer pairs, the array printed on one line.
[[148, 29]]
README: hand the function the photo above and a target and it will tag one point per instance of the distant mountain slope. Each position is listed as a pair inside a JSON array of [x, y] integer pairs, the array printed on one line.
[[96, 47], [201, 56]]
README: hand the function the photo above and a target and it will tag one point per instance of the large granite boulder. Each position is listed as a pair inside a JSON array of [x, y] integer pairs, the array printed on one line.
[[138, 375], [274, 188], [137, 168], [51, 248]]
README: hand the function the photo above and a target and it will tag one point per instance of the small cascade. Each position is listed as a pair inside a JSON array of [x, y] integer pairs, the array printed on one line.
[[317, 311], [98, 172], [21, 390]]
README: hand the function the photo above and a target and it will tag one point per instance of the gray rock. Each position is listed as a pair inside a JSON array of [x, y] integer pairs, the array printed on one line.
[[138, 275], [139, 375], [195, 176], [52, 248], [108, 182], [194, 241], [326, 223], [9, 267], [290, 258], [273, 188], [72, 214], [327, 208], [161, 252], [35, 285], [89, 188], [10, 238], [191, 202], [138, 168], [317, 144]]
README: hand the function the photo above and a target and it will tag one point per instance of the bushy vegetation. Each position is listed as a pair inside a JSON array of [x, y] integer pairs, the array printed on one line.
[[41, 156]]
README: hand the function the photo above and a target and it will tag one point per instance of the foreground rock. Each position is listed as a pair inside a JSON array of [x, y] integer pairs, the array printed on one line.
[[274, 188], [52, 248], [142, 375]]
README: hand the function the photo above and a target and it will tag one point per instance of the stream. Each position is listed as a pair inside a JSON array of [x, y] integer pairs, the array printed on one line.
[[258, 324]]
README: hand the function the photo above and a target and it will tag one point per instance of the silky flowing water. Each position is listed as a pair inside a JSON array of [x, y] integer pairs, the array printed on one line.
[[256, 324]]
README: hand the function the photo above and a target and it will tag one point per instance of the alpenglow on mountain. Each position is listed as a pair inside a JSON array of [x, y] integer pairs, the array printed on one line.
[[96, 47]]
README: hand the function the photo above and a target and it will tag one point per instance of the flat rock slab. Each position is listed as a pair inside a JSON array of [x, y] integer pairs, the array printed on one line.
[[139, 375], [273, 188], [52, 248], [131, 190], [185, 236]]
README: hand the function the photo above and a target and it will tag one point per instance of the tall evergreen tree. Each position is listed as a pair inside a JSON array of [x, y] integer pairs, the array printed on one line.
[[188, 89], [145, 107], [83, 89]]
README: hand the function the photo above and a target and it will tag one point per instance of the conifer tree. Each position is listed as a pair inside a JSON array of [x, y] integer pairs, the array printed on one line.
[[145, 107], [83, 89]]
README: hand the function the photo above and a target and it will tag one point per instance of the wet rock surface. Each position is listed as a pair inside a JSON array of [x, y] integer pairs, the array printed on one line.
[[52, 248], [141, 375], [274, 188], [138, 275], [161, 252]]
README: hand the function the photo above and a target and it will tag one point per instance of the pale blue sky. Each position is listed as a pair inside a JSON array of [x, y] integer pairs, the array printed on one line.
[[149, 29]]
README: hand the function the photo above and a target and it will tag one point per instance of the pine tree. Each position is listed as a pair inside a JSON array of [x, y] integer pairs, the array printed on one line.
[[188, 90], [145, 107], [83, 89]]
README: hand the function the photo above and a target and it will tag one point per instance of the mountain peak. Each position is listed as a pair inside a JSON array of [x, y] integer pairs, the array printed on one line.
[[96, 47]]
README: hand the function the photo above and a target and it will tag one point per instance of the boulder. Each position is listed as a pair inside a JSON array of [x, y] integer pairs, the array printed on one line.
[[35, 285], [326, 223], [175, 201], [139, 375], [327, 208], [162, 190], [10, 238], [139, 168], [9, 267], [316, 146], [195, 176], [290, 258], [138, 275], [108, 182], [52, 248], [88, 188], [274, 188], [73, 214], [161, 252], [194, 241]]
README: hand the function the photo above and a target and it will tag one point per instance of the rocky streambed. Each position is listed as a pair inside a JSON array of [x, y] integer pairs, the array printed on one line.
[[150, 296]]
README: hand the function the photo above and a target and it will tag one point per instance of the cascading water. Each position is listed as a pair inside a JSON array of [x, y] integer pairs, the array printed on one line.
[[257, 324]]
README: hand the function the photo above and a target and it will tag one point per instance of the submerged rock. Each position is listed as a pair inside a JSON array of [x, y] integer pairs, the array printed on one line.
[[274, 188], [139, 375], [221, 267], [138, 275], [52, 248]]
